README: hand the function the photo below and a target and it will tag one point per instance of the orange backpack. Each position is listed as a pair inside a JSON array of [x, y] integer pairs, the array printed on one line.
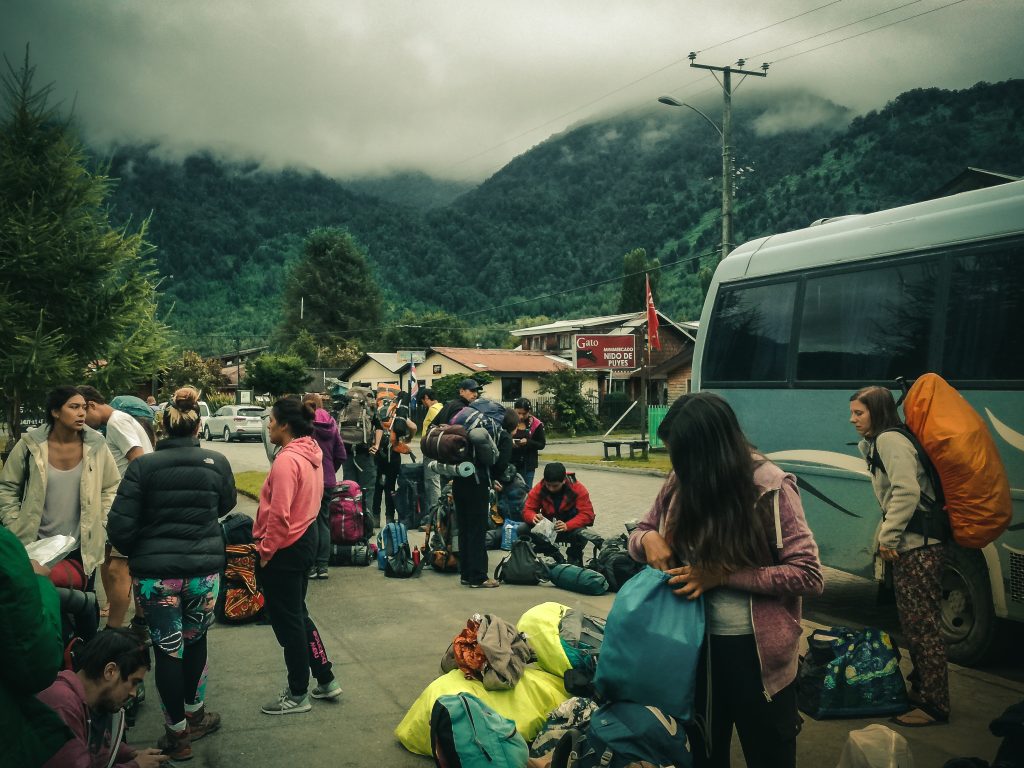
[[958, 444]]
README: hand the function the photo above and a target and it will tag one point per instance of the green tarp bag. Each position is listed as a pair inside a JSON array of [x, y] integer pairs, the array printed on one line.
[[578, 579]]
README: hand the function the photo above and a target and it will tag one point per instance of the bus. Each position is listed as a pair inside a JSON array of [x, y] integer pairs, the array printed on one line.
[[794, 323]]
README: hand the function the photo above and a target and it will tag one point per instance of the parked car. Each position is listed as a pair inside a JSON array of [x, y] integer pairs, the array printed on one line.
[[235, 422]]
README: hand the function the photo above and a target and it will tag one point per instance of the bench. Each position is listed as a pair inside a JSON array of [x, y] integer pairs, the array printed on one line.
[[634, 445]]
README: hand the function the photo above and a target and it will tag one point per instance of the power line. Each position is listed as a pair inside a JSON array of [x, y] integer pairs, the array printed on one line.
[[762, 29]]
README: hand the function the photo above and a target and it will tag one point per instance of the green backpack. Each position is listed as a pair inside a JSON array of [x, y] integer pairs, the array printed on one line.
[[465, 731], [578, 579]]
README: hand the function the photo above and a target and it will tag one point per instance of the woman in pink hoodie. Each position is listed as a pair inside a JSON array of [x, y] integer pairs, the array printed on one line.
[[728, 524], [286, 540]]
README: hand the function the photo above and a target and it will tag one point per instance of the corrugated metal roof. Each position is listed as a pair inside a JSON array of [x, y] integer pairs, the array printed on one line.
[[502, 360]]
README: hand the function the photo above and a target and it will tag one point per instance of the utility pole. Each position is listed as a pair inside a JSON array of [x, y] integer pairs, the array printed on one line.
[[727, 180]]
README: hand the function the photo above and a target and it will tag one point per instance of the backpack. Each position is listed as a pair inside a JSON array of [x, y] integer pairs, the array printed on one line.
[[952, 438], [447, 443], [850, 673], [354, 419], [482, 420], [236, 528], [348, 525], [575, 578], [133, 406], [349, 554], [393, 543], [521, 565], [439, 539], [625, 734], [614, 562], [466, 732]]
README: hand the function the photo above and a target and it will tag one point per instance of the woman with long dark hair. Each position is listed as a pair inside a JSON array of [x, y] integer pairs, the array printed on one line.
[[910, 541], [61, 479], [286, 542], [728, 524], [165, 520]]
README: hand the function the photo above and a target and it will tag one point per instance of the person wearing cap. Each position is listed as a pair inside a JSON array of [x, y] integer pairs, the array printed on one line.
[[469, 390], [565, 501]]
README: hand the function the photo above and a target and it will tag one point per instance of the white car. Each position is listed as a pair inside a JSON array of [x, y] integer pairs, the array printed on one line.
[[235, 422]]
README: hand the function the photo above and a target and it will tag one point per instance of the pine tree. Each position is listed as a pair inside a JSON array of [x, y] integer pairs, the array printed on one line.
[[635, 265], [331, 291], [77, 296]]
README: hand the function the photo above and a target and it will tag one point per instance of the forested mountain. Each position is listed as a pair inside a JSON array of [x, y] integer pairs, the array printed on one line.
[[559, 216]]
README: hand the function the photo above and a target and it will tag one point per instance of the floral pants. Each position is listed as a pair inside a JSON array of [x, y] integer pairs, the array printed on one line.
[[178, 611]]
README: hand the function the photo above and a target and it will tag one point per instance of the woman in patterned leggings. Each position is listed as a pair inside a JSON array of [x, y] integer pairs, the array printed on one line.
[[165, 519], [909, 540]]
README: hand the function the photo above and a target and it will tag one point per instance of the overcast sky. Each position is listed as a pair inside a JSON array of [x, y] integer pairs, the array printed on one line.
[[457, 88]]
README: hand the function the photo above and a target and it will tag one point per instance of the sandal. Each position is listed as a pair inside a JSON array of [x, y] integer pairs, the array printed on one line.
[[919, 718]]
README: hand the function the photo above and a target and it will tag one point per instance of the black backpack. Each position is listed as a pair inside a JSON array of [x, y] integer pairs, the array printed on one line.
[[521, 565], [614, 563]]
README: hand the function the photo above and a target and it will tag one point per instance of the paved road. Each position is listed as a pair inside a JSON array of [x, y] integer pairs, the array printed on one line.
[[620, 497]]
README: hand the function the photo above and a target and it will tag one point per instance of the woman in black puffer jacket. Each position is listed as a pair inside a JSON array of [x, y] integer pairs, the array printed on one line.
[[165, 519]]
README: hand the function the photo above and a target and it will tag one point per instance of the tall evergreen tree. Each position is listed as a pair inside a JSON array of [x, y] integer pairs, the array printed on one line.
[[634, 288], [77, 296], [331, 291]]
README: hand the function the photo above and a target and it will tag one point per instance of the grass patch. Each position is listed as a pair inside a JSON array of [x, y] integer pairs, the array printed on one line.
[[250, 483], [656, 461]]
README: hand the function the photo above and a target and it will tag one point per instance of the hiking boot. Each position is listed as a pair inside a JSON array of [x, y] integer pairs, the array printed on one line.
[[331, 690], [177, 745], [321, 571], [288, 704], [202, 722]]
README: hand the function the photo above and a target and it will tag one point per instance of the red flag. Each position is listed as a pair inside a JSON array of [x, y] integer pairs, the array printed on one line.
[[653, 342]]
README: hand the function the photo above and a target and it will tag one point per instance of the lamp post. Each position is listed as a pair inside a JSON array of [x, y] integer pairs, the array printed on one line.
[[725, 133]]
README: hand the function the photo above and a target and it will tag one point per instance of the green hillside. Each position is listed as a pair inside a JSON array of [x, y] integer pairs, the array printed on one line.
[[561, 215]]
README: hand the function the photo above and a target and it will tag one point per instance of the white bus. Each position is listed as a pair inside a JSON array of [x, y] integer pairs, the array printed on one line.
[[795, 323]]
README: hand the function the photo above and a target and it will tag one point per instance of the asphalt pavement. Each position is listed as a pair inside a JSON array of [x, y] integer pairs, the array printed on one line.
[[386, 638]]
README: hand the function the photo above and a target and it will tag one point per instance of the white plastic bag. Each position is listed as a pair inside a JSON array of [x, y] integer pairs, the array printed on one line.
[[876, 747], [545, 527]]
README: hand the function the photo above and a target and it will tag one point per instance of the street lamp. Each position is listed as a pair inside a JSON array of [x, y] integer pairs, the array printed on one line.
[[725, 134]]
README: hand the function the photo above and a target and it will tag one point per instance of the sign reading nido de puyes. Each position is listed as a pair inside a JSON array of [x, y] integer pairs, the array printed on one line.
[[604, 351]]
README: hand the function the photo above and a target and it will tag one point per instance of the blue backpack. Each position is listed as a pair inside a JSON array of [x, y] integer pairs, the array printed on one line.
[[393, 554], [621, 734], [466, 732], [648, 622]]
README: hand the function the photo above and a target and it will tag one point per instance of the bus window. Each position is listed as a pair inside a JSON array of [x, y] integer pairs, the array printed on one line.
[[985, 318], [749, 337], [869, 325]]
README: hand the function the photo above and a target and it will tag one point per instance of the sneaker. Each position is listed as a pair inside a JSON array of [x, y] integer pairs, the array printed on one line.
[[321, 571], [485, 584], [177, 745], [202, 722], [311, 574], [331, 690], [288, 704]]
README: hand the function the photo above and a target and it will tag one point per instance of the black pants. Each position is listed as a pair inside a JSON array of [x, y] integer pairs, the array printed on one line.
[[323, 531], [360, 467], [767, 729], [472, 508], [284, 584], [389, 466]]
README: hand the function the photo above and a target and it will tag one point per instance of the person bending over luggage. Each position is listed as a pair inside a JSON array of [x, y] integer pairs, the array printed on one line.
[[565, 501], [325, 432], [165, 519], [903, 490], [286, 541], [716, 527], [90, 700]]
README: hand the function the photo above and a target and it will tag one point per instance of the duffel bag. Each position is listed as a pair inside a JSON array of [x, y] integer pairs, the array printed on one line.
[[349, 554], [575, 578]]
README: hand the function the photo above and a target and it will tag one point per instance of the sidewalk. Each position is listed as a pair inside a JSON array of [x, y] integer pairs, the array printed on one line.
[[386, 638]]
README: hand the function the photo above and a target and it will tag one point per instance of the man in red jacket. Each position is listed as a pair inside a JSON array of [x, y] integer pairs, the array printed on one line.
[[561, 498], [90, 703]]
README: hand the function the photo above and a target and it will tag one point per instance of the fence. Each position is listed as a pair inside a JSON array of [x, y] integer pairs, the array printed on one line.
[[655, 415]]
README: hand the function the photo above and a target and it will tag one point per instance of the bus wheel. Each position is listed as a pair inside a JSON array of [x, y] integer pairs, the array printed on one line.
[[968, 621]]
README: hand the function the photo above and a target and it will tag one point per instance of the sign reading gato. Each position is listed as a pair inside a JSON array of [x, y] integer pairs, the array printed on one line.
[[604, 351]]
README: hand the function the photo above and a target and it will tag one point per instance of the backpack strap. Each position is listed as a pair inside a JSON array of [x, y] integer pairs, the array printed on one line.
[[935, 517]]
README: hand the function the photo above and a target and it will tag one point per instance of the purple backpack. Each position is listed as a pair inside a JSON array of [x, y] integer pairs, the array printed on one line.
[[346, 511]]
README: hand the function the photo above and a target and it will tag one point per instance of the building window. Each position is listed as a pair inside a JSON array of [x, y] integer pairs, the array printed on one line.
[[511, 388], [565, 341], [436, 369], [617, 386]]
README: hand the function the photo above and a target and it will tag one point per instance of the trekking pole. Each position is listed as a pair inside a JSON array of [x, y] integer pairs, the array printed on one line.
[[901, 382]]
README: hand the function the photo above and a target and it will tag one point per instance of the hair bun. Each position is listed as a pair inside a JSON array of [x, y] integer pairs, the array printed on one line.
[[186, 399]]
